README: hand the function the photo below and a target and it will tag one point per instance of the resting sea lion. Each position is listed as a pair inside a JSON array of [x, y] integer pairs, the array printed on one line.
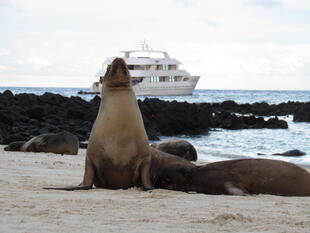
[[181, 148], [15, 146], [59, 143], [118, 151], [235, 177]]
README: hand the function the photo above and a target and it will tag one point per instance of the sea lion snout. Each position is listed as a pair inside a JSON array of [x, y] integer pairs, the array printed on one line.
[[118, 74]]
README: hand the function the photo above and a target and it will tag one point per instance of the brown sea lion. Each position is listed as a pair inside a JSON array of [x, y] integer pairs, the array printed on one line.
[[179, 147], [59, 143], [14, 146], [118, 156], [118, 151], [235, 177]]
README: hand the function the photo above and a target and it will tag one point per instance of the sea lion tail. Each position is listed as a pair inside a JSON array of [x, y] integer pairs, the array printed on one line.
[[69, 188]]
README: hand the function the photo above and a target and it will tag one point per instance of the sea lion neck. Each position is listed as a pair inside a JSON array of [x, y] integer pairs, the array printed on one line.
[[119, 88]]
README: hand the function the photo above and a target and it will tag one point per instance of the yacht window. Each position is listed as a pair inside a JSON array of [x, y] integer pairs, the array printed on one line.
[[165, 66], [130, 67], [178, 78], [162, 79], [159, 67], [172, 67], [138, 67], [171, 79]]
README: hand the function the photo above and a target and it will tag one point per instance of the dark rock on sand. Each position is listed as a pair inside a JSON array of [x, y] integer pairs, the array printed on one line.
[[181, 148], [291, 153]]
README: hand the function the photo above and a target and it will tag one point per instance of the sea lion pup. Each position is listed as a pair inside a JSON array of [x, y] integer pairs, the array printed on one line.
[[60, 143], [118, 152], [234, 177]]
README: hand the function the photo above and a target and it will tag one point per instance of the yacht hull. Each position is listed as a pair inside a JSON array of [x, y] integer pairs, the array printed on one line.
[[160, 88]]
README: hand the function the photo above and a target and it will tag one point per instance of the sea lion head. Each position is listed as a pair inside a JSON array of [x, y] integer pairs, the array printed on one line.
[[14, 146], [117, 74]]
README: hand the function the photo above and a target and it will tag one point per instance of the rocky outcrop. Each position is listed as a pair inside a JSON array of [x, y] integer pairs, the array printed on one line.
[[259, 109], [302, 113], [291, 153], [23, 116], [175, 118]]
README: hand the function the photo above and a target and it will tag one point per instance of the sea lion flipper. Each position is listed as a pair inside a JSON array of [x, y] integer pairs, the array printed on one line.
[[233, 189], [145, 174], [89, 173], [70, 188]]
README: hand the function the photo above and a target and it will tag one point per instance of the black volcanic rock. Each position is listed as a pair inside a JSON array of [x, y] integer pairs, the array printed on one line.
[[302, 113], [23, 116], [36, 112], [275, 123]]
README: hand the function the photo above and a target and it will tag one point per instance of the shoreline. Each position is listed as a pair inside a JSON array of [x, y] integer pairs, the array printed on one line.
[[26, 207]]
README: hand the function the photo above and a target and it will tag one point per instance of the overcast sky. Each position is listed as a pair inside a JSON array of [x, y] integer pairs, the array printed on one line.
[[231, 44]]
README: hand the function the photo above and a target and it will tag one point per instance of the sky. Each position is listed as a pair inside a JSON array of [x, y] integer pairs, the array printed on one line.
[[231, 44]]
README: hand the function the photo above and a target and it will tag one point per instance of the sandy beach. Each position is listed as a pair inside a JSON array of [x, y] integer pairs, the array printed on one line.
[[26, 207]]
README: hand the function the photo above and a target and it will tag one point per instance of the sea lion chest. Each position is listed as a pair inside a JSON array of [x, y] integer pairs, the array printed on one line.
[[118, 134]]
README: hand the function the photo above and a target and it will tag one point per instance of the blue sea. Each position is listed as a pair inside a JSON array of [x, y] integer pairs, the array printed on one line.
[[221, 144]]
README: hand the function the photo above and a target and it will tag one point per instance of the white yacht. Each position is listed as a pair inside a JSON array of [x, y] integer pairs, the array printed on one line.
[[152, 74]]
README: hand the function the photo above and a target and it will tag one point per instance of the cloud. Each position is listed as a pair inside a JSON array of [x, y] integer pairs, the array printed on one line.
[[4, 52], [265, 3], [229, 40], [8, 5], [213, 23], [5, 68], [39, 62]]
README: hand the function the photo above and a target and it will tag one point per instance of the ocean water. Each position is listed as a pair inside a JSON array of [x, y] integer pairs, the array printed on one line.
[[221, 144]]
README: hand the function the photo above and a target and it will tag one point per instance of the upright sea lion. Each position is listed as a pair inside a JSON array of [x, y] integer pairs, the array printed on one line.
[[235, 177], [59, 143], [118, 151]]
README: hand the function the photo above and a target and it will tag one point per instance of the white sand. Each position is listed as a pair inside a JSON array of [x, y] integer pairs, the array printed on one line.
[[26, 207]]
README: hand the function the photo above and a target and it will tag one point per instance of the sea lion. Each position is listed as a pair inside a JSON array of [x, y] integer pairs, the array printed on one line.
[[118, 152], [179, 147], [118, 156], [60, 143], [15, 146], [234, 177]]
